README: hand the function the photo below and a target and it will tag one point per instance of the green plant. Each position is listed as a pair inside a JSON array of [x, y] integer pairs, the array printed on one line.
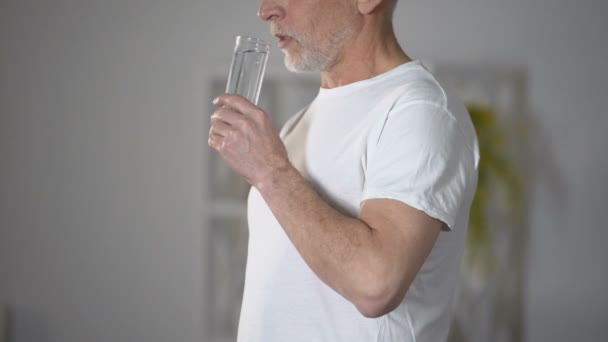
[[498, 181]]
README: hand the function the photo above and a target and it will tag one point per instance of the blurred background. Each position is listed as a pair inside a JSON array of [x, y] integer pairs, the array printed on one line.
[[117, 223]]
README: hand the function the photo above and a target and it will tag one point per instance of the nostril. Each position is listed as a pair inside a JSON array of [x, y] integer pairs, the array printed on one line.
[[265, 14], [270, 11], [270, 17], [263, 11], [261, 14]]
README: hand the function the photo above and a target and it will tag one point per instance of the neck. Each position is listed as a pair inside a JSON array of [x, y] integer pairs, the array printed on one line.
[[373, 51]]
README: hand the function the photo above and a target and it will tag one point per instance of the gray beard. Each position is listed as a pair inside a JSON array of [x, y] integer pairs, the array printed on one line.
[[308, 61], [314, 59]]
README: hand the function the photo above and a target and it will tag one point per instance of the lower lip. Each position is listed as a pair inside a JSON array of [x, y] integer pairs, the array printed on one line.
[[283, 42]]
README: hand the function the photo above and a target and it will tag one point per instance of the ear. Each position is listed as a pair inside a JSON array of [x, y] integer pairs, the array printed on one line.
[[367, 6]]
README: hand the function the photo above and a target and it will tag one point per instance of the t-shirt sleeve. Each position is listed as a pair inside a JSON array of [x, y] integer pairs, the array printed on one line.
[[419, 156]]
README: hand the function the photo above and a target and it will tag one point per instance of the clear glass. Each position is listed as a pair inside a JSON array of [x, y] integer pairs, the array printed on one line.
[[247, 68]]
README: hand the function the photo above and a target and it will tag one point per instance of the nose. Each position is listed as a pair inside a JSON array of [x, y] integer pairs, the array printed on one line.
[[271, 10]]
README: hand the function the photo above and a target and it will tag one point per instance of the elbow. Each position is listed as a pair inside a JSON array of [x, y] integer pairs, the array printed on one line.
[[379, 301]]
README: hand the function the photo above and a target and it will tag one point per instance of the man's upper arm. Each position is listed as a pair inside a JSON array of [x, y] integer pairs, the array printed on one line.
[[419, 167], [405, 237]]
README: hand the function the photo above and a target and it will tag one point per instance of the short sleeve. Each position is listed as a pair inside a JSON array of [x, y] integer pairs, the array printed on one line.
[[419, 156]]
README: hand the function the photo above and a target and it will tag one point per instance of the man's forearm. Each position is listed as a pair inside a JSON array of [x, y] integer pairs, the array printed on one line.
[[342, 251]]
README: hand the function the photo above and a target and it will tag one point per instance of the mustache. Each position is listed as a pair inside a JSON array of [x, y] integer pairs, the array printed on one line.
[[276, 29]]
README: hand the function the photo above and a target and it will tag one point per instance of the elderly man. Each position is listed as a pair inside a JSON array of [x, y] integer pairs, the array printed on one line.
[[359, 208]]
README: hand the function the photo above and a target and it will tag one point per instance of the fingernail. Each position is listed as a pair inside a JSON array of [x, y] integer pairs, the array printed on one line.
[[215, 100]]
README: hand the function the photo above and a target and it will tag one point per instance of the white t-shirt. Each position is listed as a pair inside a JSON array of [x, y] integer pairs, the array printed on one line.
[[398, 135]]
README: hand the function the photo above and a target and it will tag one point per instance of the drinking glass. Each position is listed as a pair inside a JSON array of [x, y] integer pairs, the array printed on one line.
[[247, 68]]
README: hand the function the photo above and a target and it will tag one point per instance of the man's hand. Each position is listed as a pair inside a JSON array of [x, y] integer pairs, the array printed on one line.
[[246, 139]]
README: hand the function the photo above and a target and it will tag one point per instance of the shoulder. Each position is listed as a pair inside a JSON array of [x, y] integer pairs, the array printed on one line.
[[423, 102], [417, 84]]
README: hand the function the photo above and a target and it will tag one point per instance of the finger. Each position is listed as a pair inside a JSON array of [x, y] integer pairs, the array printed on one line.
[[214, 135], [214, 140], [229, 116], [220, 128], [238, 103]]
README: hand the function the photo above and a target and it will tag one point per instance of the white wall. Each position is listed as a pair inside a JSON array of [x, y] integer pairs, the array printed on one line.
[[563, 46], [102, 140]]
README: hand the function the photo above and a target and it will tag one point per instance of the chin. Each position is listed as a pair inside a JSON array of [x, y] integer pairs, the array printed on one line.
[[292, 65], [299, 65]]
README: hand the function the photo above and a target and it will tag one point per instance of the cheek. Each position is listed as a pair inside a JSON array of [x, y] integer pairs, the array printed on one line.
[[313, 24], [315, 34]]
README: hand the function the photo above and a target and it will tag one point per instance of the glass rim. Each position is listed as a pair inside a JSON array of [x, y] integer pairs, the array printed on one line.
[[250, 39]]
